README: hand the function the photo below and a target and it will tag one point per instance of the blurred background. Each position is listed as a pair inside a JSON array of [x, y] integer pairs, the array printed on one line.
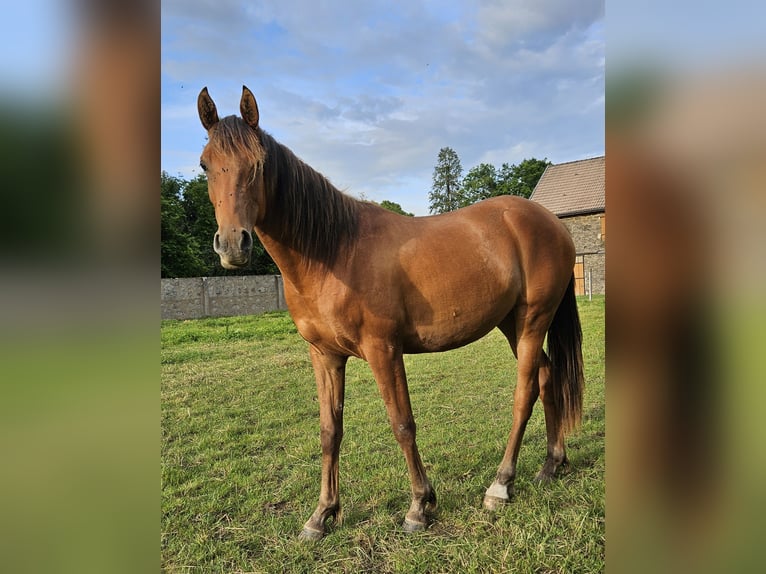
[[79, 310], [79, 408], [686, 192]]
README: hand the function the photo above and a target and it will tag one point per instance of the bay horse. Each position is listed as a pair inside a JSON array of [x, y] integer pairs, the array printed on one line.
[[361, 281]]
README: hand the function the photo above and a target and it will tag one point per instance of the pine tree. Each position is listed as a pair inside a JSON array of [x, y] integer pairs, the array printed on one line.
[[446, 189]]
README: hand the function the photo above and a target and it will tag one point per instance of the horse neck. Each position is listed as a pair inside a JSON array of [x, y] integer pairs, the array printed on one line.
[[292, 266], [307, 223]]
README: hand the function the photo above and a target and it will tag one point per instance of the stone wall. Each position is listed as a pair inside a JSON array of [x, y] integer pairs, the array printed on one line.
[[590, 246], [194, 297]]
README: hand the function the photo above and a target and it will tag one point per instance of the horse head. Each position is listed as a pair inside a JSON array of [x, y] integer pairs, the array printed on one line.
[[233, 162]]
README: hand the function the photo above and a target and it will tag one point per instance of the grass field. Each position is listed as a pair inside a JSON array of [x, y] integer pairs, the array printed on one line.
[[241, 459]]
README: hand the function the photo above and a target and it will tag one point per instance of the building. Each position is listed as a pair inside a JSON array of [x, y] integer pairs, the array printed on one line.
[[575, 192]]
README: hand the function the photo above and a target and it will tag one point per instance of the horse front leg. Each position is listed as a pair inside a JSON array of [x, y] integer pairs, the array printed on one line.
[[330, 372], [388, 368]]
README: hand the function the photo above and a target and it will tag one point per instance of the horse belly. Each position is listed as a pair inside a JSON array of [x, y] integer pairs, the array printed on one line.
[[456, 298], [434, 340], [458, 322]]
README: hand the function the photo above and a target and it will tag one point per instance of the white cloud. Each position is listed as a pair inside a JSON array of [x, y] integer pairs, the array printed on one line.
[[533, 22], [368, 93]]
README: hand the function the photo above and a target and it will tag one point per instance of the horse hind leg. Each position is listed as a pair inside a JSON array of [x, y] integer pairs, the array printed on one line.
[[561, 383], [554, 429]]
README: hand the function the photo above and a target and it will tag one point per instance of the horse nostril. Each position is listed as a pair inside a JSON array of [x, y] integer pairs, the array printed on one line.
[[216, 243], [246, 243]]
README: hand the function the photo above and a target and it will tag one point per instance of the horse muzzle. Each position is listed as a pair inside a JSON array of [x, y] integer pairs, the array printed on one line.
[[233, 247]]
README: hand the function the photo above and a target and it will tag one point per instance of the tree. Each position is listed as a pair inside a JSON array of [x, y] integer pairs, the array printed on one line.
[[179, 249], [480, 183], [395, 207], [446, 194], [520, 179]]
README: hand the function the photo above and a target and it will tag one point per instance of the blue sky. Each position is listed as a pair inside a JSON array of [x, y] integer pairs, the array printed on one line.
[[368, 92]]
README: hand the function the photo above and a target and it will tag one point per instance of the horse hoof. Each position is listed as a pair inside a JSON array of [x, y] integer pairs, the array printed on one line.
[[413, 525], [310, 534], [497, 495], [494, 502]]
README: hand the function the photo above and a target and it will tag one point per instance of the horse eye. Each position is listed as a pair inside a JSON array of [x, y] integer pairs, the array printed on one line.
[[203, 166]]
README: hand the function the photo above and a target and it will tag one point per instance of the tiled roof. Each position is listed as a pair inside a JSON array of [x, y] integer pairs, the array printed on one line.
[[572, 188]]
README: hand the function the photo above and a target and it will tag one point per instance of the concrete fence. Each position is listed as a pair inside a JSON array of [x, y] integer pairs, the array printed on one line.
[[194, 297]]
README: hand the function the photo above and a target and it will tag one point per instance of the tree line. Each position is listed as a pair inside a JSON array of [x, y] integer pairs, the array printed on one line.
[[451, 191]]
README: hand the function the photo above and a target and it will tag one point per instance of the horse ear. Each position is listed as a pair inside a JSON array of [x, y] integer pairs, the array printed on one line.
[[249, 108], [208, 115]]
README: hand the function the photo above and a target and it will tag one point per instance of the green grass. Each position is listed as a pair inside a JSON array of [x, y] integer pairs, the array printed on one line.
[[241, 459]]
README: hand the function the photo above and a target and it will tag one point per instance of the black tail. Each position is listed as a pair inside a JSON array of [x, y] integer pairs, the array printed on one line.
[[565, 354]]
